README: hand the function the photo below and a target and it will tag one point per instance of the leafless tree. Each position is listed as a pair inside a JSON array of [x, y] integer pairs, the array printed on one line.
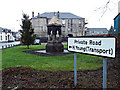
[[105, 8]]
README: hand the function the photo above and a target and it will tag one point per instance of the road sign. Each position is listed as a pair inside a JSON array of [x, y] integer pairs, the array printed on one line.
[[99, 46]]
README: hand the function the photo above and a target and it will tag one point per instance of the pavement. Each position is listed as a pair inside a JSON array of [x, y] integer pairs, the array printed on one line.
[[10, 44], [64, 43]]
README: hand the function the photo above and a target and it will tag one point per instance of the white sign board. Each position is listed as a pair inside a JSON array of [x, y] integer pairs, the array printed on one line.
[[100, 46]]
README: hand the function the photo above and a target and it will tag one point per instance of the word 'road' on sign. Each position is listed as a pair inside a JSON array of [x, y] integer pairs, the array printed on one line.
[[100, 46]]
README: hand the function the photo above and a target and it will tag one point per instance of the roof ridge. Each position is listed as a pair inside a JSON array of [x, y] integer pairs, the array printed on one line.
[[62, 15], [97, 29], [56, 12]]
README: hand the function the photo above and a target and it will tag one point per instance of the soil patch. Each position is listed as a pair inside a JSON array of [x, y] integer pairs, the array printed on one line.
[[26, 77]]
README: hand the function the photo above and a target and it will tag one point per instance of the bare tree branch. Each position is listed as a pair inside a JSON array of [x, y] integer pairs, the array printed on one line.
[[104, 9]]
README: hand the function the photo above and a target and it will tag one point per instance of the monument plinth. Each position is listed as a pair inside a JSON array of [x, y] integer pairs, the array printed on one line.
[[54, 29]]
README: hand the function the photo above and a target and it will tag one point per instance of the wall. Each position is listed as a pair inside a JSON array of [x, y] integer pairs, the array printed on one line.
[[40, 27], [119, 7], [96, 32], [70, 27], [116, 25], [5, 37]]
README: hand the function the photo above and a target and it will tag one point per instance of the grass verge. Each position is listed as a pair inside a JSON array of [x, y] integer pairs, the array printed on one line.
[[14, 57]]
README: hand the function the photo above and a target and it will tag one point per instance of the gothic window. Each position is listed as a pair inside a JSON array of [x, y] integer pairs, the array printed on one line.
[[80, 22], [1, 37], [79, 28], [71, 25], [63, 22], [5, 37], [68, 24], [63, 28]]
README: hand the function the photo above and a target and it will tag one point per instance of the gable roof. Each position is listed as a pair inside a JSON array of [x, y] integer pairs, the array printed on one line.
[[55, 21], [97, 29], [62, 15]]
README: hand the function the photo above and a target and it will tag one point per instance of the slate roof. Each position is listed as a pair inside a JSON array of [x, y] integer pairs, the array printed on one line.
[[5, 30], [95, 29], [62, 15]]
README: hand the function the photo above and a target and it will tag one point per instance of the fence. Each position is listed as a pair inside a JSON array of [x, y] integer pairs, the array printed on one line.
[[7, 46]]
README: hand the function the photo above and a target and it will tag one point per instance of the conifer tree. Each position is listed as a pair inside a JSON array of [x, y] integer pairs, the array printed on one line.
[[28, 36], [111, 31]]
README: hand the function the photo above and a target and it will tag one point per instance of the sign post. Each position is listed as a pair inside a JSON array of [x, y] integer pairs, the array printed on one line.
[[104, 72], [97, 46], [75, 69]]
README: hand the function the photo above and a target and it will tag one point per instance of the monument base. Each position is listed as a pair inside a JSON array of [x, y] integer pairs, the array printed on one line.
[[54, 47]]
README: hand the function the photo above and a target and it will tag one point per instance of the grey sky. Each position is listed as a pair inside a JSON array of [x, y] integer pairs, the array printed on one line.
[[11, 11]]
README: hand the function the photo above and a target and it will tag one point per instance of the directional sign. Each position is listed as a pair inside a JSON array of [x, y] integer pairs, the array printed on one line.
[[99, 46]]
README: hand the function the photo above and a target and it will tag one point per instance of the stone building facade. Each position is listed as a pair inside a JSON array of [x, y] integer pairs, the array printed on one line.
[[72, 25], [96, 31]]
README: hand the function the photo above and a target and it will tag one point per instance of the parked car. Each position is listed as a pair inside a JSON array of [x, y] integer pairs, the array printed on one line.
[[37, 42], [10, 40], [17, 39]]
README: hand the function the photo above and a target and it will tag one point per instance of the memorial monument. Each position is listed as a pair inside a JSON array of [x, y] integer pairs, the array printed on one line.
[[54, 44]]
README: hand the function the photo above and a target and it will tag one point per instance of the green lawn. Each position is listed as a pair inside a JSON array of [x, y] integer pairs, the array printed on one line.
[[14, 57]]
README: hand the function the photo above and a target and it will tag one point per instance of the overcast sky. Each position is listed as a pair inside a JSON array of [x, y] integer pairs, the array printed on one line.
[[11, 11]]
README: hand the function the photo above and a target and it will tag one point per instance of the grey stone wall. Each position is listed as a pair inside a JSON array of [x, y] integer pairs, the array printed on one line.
[[76, 27]]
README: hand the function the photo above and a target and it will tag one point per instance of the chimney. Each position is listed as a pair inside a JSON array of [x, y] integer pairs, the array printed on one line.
[[32, 14], [118, 7], [38, 15], [54, 13], [58, 14]]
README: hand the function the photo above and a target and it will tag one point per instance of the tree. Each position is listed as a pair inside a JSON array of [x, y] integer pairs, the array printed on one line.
[[27, 31], [103, 9], [111, 31]]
